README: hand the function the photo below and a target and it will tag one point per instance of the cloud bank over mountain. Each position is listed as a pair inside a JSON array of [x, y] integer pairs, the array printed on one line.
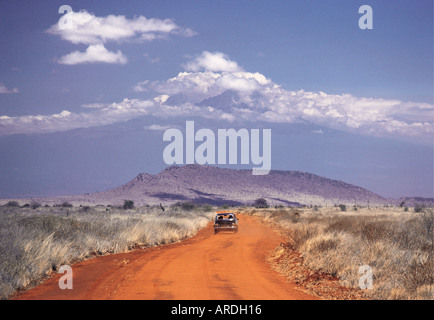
[[215, 87]]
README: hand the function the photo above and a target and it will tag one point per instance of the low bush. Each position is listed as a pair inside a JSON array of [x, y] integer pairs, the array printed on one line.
[[35, 205], [261, 203], [13, 204], [66, 204], [128, 204], [187, 206]]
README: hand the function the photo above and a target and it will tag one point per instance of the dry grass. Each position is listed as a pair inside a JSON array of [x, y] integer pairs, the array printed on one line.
[[34, 243], [397, 245]]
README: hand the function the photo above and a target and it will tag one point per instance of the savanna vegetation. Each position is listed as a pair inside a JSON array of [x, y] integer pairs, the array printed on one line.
[[36, 240], [396, 244]]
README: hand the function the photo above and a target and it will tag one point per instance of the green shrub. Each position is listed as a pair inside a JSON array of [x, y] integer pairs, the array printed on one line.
[[13, 204], [187, 206], [343, 207], [35, 205], [261, 203], [418, 208], [207, 208], [128, 204], [85, 209]]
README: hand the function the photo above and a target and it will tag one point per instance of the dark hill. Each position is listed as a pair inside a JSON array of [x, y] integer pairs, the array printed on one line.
[[214, 185]]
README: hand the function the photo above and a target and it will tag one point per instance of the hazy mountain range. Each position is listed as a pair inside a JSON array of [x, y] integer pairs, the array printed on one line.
[[217, 186]]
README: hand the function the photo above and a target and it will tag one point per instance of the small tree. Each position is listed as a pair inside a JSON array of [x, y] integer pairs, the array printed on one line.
[[207, 208], [261, 203], [187, 206], [85, 208], [419, 207], [13, 204], [35, 205], [343, 207], [66, 204], [128, 204]]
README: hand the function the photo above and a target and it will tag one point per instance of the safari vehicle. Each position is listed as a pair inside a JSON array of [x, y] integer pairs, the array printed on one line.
[[225, 221]]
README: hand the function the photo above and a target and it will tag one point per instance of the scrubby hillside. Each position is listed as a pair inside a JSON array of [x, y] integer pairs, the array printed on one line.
[[213, 185]]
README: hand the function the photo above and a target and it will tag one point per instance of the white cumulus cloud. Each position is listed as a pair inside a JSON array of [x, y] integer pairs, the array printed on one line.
[[157, 127], [212, 61], [116, 112], [85, 28], [93, 54], [4, 89]]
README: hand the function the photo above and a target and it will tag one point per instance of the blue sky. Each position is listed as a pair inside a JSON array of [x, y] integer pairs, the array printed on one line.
[[84, 109]]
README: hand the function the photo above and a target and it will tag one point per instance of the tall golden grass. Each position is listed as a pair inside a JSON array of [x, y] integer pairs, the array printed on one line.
[[36, 242], [397, 245]]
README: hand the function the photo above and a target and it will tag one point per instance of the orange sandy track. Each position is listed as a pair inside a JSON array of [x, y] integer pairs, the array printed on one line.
[[225, 266]]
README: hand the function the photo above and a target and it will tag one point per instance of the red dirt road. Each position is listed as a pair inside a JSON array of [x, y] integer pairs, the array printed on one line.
[[225, 266]]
